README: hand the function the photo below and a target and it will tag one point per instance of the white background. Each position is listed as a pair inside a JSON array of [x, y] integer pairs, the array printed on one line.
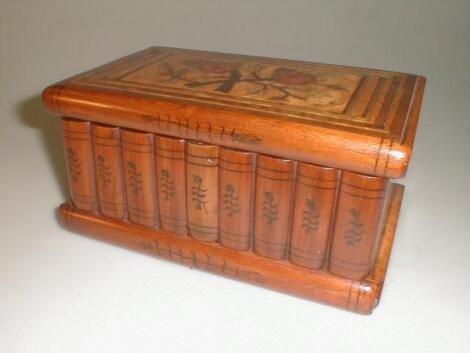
[[60, 292]]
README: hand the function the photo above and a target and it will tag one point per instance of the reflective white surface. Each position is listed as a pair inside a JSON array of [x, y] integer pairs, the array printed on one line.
[[60, 292]]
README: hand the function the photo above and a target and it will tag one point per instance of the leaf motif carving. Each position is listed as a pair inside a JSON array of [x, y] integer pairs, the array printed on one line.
[[135, 178], [355, 233], [270, 208], [73, 160], [231, 201], [199, 194], [310, 217], [104, 174], [167, 185]]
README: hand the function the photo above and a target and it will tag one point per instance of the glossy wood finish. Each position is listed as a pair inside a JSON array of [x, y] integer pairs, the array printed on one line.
[[273, 206], [349, 118], [315, 196], [139, 166], [78, 147], [236, 196], [170, 171], [357, 219], [202, 190], [320, 286], [109, 171], [267, 170]]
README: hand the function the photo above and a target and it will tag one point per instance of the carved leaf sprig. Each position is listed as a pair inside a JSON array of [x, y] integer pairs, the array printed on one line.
[[356, 231], [199, 194], [231, 201], [310, 217], [74, 164], [135, 178], [270, 208], [104, 174], [167, 185]]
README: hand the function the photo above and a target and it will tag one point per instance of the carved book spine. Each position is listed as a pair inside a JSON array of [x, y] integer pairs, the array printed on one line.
[[170, 174], [360, 203], [109, 171], [315, 194], [201, 190], [273, 205], [236, 194], [79, 158], [138, 160]]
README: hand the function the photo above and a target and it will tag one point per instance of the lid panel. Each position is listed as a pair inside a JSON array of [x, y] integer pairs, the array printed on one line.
[[341, 97]]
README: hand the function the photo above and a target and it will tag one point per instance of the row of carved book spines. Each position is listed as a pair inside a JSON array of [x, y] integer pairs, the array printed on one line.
[[273, 214]]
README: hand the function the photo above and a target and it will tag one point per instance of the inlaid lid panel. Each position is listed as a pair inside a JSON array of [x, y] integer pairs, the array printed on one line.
[[345, 97]]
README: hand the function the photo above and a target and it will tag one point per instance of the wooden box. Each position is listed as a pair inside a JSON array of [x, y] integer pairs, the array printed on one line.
[[270, 171]]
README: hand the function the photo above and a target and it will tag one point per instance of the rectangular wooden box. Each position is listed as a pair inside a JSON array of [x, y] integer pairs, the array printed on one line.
[[270, 171]]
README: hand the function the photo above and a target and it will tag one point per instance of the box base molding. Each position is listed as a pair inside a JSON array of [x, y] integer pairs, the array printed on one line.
[[281, 275]]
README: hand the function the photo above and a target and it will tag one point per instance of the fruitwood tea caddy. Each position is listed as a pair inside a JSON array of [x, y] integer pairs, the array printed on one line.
[[269, 171]]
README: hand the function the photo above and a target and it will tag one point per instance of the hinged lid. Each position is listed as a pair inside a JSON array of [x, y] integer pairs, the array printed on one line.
[[351, 118]]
